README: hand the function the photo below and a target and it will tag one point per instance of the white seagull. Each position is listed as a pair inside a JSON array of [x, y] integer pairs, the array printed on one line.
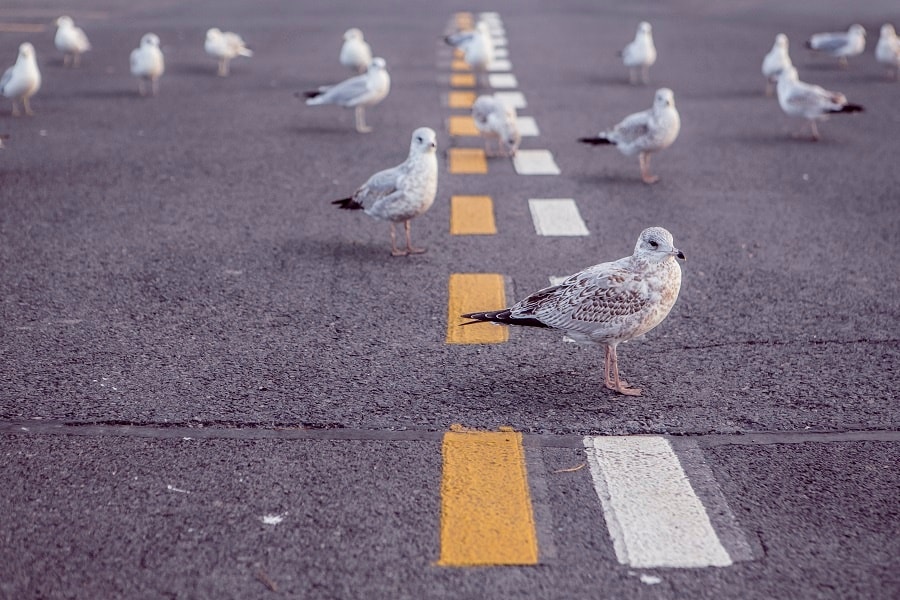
[[358, 92], [887, 52], [476, 45], [147, 63], [496, 120], [70, 40], [224, 46], [640, 54], [645, 132], [812, 102], [606, 304], [22, 80], [840, 44], [775, 62], [399, 194], [355, 52]]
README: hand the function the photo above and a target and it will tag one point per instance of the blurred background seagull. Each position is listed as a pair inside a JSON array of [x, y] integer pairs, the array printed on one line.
[[22, 80], [775, 62], [357, 92], [887, 52], [840, 44], [496, 120], [355, 52], [812, 102], [606, 304], [399, 194], [224, 47], [645, 132], [70, 40], [476, 45], [640, 54], [147, 63]]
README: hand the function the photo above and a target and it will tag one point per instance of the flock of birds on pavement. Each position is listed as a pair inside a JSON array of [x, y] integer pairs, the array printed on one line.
[[605, 304]]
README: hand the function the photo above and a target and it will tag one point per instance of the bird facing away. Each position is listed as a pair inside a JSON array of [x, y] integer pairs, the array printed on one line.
[[148, 64], [812, 102], [70, 40], [224, 47], [496, 120], [645, 132], [640, 54], [775, 62], [476, 45], [22, 80], [357, 92], [355, 52], [887, 52], [399, 194], [606, 304], [840, 44]]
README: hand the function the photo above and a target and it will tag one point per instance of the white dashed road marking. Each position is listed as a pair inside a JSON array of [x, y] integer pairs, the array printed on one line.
[[527, 127], [503, 80], [535, 162], [556, 217]]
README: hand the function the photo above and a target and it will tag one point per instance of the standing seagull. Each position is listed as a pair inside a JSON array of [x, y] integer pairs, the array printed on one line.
[[840, 44], [147, 63], [812, 102], [224, 47], [355, 52], [645, 132], [70, 40], [608, 303], [477, 46], [22, 80], [357, 92], [775, 62], [640, 54], [497, 121], [403, 192], [887, 52]]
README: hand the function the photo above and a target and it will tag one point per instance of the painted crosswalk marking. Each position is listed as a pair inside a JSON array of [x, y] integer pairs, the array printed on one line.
[[556, 217], [535, 162]]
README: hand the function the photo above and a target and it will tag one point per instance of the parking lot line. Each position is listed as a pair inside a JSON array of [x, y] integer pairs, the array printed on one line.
[[464, 161], [471, 292], [472, 215]]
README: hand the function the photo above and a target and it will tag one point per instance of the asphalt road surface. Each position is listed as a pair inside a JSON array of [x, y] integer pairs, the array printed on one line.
[[215, 385]]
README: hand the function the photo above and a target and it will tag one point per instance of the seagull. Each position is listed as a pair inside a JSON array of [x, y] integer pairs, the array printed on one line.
[[645, 132], [147, 63], [640, 54], [357, 92], [496, 120], [355, 52], [476, 45], [3, 136], [399, 194], [224, 47], [840, 44], [812, 102], [775, 62], [70, 40], [887, 51], [22, 80], [606, 304]]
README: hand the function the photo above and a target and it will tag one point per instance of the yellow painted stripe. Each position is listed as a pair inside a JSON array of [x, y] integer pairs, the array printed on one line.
[[467, 161], [460, 65], [464, 20], [457, 53], [462, 125], [472, 215], [486, 513], [462, 80], [22, 28], [460, 99], [474, 292]]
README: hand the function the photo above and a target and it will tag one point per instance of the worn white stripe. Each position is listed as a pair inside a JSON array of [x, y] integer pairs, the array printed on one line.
[[535, 162], [653, 515], [503, 80], [556, 216], [501, 53], [514, 99], [527, 126], [500, 65], [499, 40]]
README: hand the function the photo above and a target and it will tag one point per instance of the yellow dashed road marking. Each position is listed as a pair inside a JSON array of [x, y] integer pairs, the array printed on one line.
[[467, 161], [462, 125], [460, 65], [473, 292], [464, 20], [462, 80], [472, 215], [460, 99], [22, 28]]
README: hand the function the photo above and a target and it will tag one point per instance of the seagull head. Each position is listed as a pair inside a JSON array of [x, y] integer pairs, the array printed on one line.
[[377, 64], [781, 41], [657, 244], [644, 27], [857, 29], [664, 99], [424, 140], [213, 33], [887, 30], [150, 39], [64, 21], [353, 34], [26, 50]]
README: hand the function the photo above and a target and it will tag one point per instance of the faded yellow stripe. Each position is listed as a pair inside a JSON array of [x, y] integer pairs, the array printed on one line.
[[462, 80], [462, 125], [472, 215], [475, 292], [460, 99], [464, 20], [458, 53], [486, 514], [459, 65], [22, 28], [467, 161]]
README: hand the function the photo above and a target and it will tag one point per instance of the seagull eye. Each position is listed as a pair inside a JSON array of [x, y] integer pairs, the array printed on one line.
[[418, 139], [654, 244]]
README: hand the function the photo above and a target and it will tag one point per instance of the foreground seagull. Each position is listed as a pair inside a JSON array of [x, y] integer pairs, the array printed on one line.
[[608, 303], [224, 47], [70, 40], [640, 54], [775, 62], [355, 52], [476, 45], [147, 63], [887, 52], [840, 44], [357, 92], [495, 120], [645, 132], [812, 102], [399, 194], [22, 80]]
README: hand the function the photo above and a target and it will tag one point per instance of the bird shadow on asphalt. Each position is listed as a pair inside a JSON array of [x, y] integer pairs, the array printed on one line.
[[343, 249], [111, 93]]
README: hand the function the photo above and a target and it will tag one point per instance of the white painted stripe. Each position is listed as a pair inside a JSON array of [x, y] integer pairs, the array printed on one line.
[[501, 53], [514, 99], [499, 40], [653, 515], [503, 80], [557, 217], [489, 15], [535, 162], [527, 127], [496, 31], [500, 65]]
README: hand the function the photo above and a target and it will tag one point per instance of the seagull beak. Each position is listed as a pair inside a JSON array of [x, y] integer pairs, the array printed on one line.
[[678, 254]]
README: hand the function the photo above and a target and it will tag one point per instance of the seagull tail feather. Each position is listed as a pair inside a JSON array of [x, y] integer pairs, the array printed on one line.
[[502, 317], [850, 108], [347, 204], [597, 140], [808, 44]]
